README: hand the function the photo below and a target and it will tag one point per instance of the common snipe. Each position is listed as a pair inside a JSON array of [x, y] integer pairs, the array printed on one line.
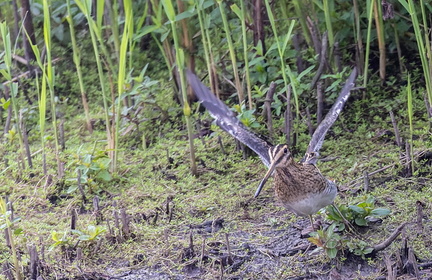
[[300, 187]]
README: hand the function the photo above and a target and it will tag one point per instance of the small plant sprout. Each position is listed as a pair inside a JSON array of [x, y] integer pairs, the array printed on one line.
[[63, 239], [92, 233], [93, 169], [246, 116], [59, 238], [327, 240], [359, 248]]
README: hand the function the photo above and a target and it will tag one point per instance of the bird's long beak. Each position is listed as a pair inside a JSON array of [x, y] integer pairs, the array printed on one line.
[[264, 180]]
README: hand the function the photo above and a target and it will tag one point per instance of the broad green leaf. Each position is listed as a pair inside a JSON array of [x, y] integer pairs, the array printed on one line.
[[71, 189], [380, 212], [169, 9], [331, 244], [361, 221], [146, 30], [316, 241], [5, 103], [84, 237], [332, 252], [368, 250], [5, 74], [104, 175], [237, 11], [357, 209], [184, 15]]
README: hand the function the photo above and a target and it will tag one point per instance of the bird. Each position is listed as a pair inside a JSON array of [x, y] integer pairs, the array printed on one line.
[[299, 186]]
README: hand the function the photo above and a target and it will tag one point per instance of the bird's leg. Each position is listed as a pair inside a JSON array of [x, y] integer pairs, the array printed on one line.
[[312, 222], [313, 225], [306, 232]]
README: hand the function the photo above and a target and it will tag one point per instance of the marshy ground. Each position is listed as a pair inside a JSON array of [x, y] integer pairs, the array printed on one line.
[[157, 221]]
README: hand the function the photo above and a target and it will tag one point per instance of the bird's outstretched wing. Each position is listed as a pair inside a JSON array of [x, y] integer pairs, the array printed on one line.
[[319, 134], [226, 119]]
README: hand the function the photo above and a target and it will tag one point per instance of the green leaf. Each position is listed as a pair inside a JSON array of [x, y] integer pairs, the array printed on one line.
[[237, 11], [56, 236], [405, 4], [380, 212], [146, 30], [370, 200], [5, 74], [316, 241], [104, 175], [169, 9], [71, 189], [357, 209], [332, 252], [331, 244], [77, 232], [361, 221], [305, 72], [103, 163], [368, 250], [184, 15], [5, 103], [84, 237], [207, 4]]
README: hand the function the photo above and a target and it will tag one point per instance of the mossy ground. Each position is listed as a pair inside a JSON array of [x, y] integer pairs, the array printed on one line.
[[180, 225]]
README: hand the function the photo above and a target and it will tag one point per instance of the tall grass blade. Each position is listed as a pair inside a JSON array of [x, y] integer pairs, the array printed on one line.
[[358, 36], [49, 76], [241, 14], [423, 45], [112, 8], [77, 61], [299, 7], [232, 53], [281, 46], [410, 118], [125, 43], [42, 100], [327, 5], [206, 46], [369, 7], [85, 7], [170, 13], [381, 40], [13, 86]]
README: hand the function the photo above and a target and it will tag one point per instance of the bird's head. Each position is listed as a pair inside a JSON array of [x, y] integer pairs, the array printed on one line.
[[280, 156]]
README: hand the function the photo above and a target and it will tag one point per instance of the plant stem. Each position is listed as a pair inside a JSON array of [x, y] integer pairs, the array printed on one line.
[[370, 4], [180, 58], [77, 61], [239, 88]]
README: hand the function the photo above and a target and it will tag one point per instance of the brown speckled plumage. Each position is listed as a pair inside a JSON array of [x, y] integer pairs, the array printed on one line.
[[296, 183]]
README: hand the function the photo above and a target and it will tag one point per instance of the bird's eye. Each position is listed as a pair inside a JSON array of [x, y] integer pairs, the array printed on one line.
[[285, 151]]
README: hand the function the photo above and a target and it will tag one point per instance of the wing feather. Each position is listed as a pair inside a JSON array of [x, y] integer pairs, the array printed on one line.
[[226, 119], [319, 134]]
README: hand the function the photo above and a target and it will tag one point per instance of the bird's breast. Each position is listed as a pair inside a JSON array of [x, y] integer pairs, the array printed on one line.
[[303, 189]]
